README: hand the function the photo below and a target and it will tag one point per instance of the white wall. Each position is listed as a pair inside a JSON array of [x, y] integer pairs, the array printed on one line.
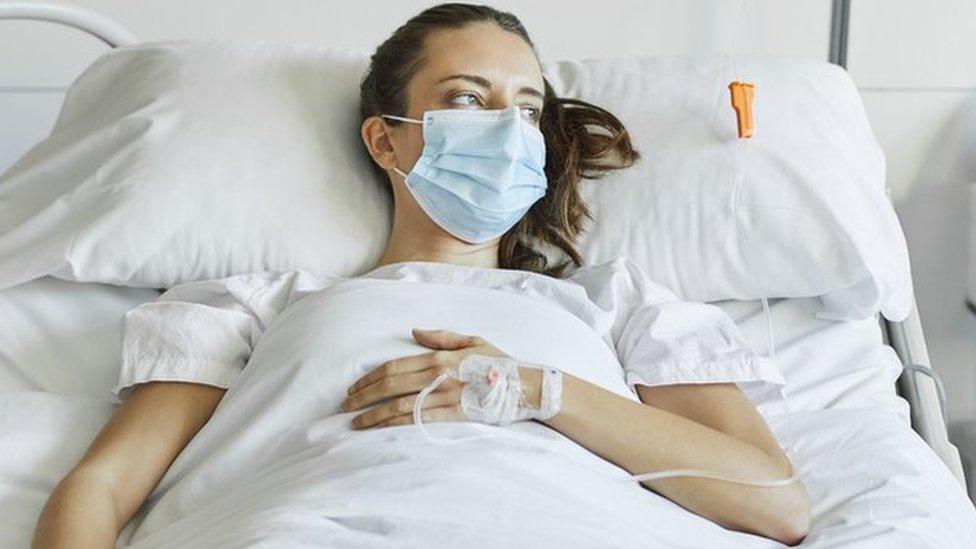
[[913, 61]]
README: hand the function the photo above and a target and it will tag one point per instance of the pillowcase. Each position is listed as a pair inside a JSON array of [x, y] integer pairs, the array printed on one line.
[[800, 209], [179, 161]]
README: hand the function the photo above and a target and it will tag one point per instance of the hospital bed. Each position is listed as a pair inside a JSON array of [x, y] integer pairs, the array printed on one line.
[[50, 412]]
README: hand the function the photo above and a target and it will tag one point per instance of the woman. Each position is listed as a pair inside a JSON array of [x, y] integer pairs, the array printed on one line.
[[476, 191]]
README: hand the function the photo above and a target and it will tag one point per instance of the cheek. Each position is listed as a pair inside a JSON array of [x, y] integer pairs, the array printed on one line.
[[409, 149], [415, 144]]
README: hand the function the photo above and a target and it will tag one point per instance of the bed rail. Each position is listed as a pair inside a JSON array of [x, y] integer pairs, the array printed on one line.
[[95, 24], [920, 385]]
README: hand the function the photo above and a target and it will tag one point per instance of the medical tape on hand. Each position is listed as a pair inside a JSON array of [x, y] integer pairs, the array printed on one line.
[[493, 393]]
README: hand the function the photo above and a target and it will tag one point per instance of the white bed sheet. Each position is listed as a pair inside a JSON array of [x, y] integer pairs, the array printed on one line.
[[873, 481], [64, 337], [827, 364]]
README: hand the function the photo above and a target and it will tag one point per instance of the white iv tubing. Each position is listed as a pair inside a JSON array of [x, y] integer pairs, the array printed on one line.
[[418, 403]]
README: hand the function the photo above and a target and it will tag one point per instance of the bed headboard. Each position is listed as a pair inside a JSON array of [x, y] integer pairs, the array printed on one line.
[[30, 110]]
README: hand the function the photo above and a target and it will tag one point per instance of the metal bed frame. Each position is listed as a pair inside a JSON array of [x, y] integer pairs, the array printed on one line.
[[919, 385]]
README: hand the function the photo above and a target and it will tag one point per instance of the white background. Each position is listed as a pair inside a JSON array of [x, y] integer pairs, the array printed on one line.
[[915, 63]]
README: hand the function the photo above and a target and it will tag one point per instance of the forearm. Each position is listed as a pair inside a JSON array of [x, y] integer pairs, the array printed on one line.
[[641, 438], [80, 513]]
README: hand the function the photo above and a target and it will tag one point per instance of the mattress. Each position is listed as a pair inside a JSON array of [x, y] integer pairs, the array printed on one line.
[[872, 480]]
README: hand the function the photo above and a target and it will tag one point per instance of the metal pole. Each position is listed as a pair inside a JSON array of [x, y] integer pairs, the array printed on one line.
[[97, 25], [840, 21]]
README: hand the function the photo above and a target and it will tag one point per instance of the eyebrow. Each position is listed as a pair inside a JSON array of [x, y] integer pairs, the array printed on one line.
[[485, 83]]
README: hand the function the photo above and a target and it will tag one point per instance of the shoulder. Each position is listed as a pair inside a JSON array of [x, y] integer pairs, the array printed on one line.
[[621, 278], [248, 287]]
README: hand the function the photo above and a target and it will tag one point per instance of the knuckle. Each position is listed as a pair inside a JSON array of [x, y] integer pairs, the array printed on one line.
[[403, 405], [453, 386]]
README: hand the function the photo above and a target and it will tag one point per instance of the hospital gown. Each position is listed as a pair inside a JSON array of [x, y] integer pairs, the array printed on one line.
[[204, 331]]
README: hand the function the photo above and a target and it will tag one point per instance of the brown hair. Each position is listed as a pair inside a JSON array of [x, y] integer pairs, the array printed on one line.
[[582, 140]]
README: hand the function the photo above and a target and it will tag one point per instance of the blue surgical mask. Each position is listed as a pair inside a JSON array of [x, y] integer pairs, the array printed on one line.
[[479, 172]]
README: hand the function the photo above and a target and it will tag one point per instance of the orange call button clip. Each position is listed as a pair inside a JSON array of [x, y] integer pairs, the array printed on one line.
[[741, 93]]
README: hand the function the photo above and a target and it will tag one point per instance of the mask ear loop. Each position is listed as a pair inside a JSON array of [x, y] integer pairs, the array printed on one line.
[[397, 170], [403, 119]]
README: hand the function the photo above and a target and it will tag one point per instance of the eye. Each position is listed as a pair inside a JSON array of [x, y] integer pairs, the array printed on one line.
[[466, 99], [532, 114]]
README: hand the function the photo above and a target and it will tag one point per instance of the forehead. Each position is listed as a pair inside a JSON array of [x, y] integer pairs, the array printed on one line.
[[482, 49]]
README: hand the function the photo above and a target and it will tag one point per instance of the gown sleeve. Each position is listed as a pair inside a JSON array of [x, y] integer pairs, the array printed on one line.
[[660, 339], [203, 332]]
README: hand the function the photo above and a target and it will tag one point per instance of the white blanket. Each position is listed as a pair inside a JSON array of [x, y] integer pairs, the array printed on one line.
[[277, 464], [276, 468], [873, 483]]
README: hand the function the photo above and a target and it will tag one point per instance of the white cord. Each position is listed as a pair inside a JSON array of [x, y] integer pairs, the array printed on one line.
[[420, 424], [418, 404], [770, 347], [771, 353]]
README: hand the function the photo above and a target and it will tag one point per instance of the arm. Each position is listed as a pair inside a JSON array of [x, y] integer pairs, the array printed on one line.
[[666, 434], [708, 426], [96, 499]]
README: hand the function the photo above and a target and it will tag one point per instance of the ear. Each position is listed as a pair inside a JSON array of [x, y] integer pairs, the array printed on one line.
[[376, 136]]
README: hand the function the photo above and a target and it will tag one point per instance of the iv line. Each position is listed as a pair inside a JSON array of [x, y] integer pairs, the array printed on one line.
[[764, 483]]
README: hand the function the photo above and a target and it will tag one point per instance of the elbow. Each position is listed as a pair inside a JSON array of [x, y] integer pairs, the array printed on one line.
[[792, 522]]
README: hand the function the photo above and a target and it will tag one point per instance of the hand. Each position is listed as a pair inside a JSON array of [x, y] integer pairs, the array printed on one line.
[[401, 379]]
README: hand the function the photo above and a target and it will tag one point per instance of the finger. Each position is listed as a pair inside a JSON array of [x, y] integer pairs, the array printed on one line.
[[445, 339], [388, 387], [433, 415], [404, 405], [390, 368]]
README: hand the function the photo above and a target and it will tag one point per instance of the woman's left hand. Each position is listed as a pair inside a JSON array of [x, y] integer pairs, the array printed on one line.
[[401, 380]]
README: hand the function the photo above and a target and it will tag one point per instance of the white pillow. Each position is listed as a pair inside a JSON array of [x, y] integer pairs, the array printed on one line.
[[179, 161], [800, 209]]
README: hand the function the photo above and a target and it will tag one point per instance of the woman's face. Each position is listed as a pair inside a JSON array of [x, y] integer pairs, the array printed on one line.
[[479, 66]]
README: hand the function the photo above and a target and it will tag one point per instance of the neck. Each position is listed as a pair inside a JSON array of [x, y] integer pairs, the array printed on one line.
[[416, 239]]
